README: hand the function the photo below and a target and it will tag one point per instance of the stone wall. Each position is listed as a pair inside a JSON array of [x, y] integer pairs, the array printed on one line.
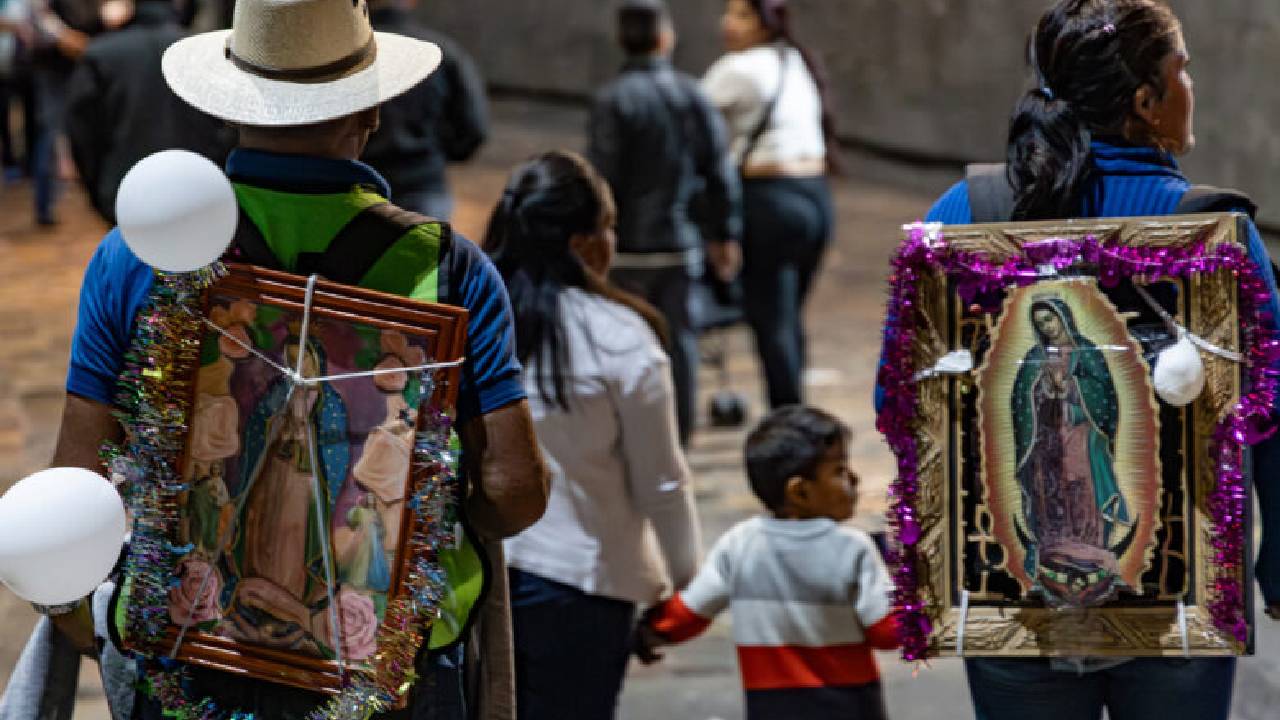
[[931, 78]]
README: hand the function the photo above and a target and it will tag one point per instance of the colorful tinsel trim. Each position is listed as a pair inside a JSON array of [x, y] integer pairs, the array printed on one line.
[[978, 280], [154, 397]]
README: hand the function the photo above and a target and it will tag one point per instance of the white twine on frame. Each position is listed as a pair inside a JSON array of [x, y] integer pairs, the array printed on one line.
[[959, 362], [1180, 332], [297, 380], [1182, 628], [964, 619]]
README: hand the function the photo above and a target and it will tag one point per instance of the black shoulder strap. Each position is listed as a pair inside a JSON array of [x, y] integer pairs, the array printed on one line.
[[784, 63], [990, 195], [352, 253], [249, 245], [1209, 199]]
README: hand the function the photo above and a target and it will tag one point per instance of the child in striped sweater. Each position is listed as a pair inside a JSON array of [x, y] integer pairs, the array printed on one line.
[[810, 597]]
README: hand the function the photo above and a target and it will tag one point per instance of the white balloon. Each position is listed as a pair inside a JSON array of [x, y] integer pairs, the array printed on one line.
[[60, 534], [177, 211]]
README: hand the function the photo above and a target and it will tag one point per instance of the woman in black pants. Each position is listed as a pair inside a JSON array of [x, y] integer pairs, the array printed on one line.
[[773, 98]]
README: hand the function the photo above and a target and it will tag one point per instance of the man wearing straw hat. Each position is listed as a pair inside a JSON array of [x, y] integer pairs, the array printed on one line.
[[302, 81]]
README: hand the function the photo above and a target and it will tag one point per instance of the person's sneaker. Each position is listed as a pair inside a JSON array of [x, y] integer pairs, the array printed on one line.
[[13, 173]]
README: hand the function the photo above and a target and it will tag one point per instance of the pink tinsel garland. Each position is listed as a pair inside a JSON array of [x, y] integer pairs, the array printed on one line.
[[980, 280]]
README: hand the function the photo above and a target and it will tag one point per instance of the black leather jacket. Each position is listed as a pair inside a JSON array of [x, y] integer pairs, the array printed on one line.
[[444, 119], [120, 110], [664, 149]]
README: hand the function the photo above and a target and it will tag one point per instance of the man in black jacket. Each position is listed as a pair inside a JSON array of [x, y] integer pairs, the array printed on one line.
[[119, 109], [443, 120], [661, 144]]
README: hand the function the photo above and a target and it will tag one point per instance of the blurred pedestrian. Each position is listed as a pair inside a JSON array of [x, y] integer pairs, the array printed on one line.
[[62, 32], [772, 93], [660, 144], [17, 35], [1096, 137], [443, 120], [599, 385], [120, 110], [810, 596]]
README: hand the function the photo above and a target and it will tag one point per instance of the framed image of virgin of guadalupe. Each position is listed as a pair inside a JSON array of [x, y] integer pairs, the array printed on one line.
[[1071, 405], [290, 516]]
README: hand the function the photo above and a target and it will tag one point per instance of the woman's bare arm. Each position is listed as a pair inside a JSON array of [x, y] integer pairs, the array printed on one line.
[[509, 479]]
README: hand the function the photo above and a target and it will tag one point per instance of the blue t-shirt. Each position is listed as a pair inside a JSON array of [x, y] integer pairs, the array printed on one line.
[[117, 283]]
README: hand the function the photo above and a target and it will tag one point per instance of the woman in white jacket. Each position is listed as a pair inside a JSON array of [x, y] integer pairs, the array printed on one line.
[[620, 527]]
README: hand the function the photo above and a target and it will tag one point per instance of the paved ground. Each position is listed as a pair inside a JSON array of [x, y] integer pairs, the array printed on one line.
[[40, 275]]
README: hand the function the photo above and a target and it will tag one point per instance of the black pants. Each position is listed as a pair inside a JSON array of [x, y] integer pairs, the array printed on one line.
[[670, 290], [18, 88], [788, 227], [857, 702], [571, 650]]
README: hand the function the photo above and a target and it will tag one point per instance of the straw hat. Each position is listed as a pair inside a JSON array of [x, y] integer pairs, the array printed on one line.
[[295, 62]]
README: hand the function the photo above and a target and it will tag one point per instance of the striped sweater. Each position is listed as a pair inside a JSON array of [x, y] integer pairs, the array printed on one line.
[[810, 599]]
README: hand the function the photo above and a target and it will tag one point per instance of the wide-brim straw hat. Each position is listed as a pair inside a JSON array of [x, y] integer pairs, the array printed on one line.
[[295, 62]]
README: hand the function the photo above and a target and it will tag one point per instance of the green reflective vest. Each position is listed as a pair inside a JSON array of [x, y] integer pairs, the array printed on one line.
[[296, 225], [293, 224]]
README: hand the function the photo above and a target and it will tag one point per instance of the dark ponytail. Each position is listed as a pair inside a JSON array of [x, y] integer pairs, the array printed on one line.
[[1088, 59], [548, 201], [775, 15]]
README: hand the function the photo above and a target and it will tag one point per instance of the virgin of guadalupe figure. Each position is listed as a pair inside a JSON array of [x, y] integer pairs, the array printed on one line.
[[1065, 417], [279, 552]]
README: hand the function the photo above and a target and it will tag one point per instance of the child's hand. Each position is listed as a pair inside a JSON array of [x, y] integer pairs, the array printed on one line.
[[645, 642]]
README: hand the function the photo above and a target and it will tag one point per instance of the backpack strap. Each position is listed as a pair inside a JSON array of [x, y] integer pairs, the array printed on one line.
[[249, 246], [990, 195], [351, 253], [784, 64], [1209, 199]]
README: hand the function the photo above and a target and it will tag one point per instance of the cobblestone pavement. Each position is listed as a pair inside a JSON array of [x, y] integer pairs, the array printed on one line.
[[40, 275]]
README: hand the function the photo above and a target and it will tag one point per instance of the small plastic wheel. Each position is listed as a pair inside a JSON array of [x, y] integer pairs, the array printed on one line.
[[727, 409]]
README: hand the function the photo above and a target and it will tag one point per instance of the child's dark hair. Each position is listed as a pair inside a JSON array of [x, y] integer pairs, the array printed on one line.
[[640, 25], [790, 441]]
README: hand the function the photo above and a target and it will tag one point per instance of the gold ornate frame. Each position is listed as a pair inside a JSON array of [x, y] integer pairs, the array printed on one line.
[[964, 625]]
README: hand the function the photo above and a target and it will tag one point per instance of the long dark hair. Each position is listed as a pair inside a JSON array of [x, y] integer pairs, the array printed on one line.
[[549, 200], [775, 15], [1088, 58]]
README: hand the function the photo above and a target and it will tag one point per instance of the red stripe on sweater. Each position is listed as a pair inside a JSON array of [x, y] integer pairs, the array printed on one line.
[[675, 622], [788, 666], [884, 634]]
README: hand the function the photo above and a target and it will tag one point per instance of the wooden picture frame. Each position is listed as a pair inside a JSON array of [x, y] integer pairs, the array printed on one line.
[[248, 520], [958, 563]]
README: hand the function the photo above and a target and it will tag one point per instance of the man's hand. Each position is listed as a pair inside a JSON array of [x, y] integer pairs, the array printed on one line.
[[116, 13], [725, 258], [72, 43]]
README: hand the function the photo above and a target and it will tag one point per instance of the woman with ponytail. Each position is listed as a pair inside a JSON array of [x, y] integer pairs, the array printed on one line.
[[1110, 105], [773, 95], [600, 388]]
